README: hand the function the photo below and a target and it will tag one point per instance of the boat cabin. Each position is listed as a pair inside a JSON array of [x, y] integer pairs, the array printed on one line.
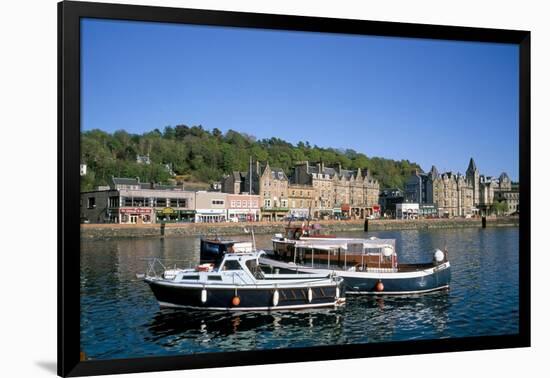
[[213, 250], [297, 232], [347, 254]]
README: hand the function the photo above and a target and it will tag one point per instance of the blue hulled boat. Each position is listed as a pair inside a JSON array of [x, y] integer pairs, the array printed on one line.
[[368, 266], [240, 284]]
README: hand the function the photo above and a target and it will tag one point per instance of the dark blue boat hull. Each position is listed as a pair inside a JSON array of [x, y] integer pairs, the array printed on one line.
[[249, 298]]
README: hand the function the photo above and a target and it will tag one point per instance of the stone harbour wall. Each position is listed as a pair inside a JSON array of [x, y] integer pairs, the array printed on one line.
[[107, 231]]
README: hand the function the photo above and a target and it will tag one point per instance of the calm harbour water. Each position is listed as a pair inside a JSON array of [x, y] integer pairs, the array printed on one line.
[[120, 317]]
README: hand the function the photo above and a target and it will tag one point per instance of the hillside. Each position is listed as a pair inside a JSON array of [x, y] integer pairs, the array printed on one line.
[[204, 156]]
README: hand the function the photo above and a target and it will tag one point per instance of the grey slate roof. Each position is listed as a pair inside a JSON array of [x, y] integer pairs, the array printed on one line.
[[504, 176], [472, 165], [125, 181]]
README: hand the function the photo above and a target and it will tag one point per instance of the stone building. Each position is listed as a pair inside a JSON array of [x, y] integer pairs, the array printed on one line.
[[353, 193], [301, 200], [456, 194], [508, 193], [271, 184], [453, 195]]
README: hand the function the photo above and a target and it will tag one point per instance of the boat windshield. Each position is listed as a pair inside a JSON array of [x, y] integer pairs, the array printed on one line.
[[231, 265]]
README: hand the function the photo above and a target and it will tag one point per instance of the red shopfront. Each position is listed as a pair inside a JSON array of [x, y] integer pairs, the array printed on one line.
[[135, 215]]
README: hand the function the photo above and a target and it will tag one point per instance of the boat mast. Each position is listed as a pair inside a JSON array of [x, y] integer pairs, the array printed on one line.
[[250, 186]]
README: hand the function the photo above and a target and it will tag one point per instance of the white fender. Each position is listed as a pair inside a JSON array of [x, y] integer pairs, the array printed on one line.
[[439, 256], [203, 295], [309, 295], [276, 298]]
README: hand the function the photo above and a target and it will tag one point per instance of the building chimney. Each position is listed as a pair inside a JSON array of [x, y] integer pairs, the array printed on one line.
[[257, 167], [318, 167], [339, 168], [322, 166]]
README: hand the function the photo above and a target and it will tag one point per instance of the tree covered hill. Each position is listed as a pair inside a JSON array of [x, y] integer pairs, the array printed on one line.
[[204, 156]]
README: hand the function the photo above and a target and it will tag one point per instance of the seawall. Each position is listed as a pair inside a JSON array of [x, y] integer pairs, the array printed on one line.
[[103, 231]]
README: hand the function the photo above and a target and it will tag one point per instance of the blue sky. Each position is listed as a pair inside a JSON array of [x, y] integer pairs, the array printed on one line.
[[432, 102]]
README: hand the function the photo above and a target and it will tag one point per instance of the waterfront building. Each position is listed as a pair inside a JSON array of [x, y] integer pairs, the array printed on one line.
[[210, 207], [320, 178], [419, 186], [453, 195], [456, 194], [337, 191], [301, 200], [388, 199], [269, 184], [509, 195], [407, 210], [127, 200], [273, 191], [243, 207]]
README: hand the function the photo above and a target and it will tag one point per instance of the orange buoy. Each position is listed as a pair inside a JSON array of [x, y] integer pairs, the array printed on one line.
[[236, 301], [379, 286]]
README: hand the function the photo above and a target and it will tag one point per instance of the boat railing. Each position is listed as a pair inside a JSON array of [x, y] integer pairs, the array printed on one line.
[[154, 263]]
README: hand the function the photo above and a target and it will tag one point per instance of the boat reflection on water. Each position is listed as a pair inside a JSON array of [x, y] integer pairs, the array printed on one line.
[[376, 319], [174, 325]]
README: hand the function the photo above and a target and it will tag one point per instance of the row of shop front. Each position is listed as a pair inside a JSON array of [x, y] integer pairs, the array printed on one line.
[[343, 212], [147, 215]]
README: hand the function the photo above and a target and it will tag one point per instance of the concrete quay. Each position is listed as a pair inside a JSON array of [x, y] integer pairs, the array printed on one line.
[[107, 231]]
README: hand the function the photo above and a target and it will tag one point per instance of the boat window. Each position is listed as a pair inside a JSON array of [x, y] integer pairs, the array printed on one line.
[[214, 278], [232, 265], [190, 277], [252, 265]]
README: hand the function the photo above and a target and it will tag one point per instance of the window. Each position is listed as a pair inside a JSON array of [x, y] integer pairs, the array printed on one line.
[[267, 203], [231, 265], [91, 202], [113, 201], [238, 203], [217, 202], [284, 203], [190, 277], [233, 203], [252, 265]]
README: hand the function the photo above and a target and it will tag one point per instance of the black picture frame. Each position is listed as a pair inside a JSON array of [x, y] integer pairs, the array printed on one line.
[[69, 15]]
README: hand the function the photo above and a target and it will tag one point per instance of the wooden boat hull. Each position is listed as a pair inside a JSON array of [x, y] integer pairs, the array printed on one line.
[[250, 298]]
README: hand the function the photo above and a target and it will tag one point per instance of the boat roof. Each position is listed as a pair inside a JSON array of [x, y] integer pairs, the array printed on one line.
[[343, 243], [240, 255]]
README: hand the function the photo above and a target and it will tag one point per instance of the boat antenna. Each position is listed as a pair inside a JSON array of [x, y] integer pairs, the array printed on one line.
[[253, 237], [250, 187]]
